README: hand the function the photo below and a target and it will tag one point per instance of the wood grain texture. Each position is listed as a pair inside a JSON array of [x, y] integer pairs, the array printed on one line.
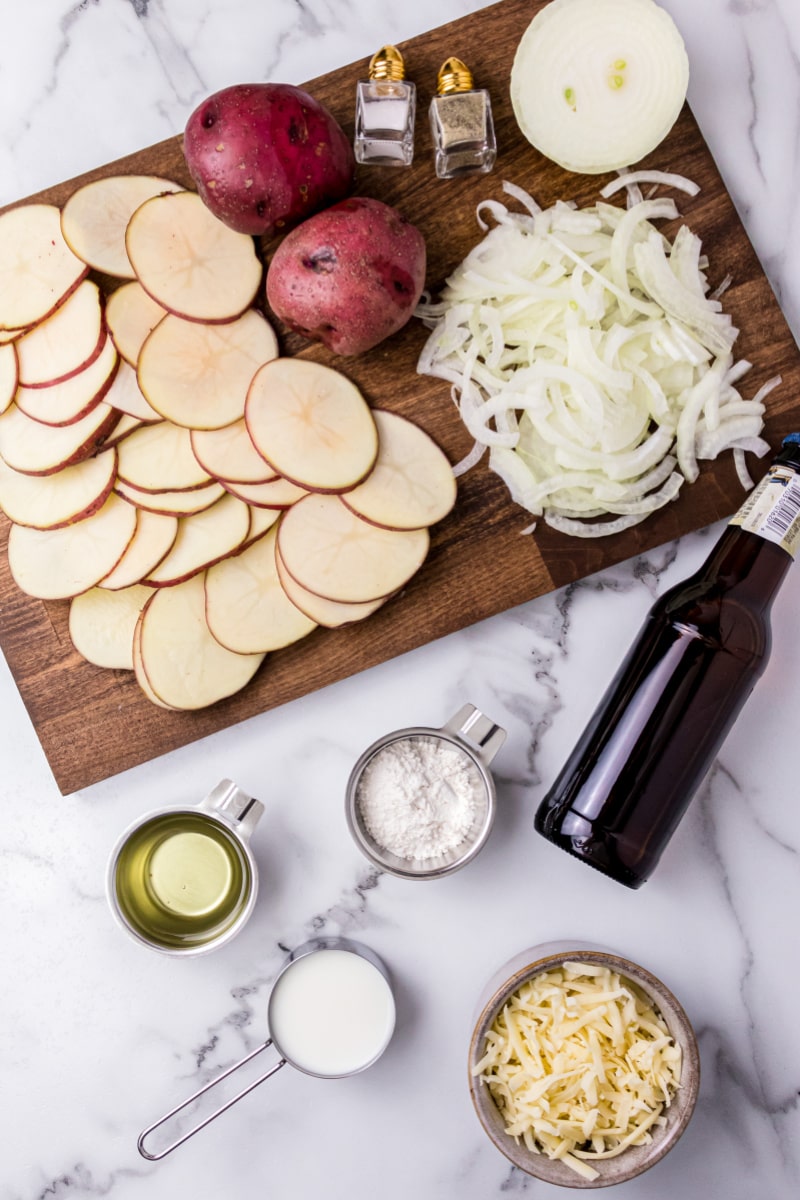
[[93, 723]]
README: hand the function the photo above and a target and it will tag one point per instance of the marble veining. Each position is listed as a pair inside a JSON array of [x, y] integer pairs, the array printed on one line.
[[97, 1036]]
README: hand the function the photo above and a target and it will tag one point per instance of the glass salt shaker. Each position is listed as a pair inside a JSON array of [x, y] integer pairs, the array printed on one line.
[[461, 123], [385, 110]]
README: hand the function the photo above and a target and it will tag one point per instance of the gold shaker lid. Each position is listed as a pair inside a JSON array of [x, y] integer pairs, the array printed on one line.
[[387, 63], [454, 76]]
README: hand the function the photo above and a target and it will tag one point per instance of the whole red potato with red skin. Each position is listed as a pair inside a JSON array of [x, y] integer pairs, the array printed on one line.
[[265, 156], [350, 276]]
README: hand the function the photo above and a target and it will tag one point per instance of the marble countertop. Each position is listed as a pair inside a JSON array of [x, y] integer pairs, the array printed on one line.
[[99, 1036]]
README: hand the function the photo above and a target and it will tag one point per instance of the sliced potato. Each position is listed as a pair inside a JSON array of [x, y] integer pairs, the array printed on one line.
[[159, 458], [189, 262], [37, 268], [412, 483], [184, 664], [311, 424], [124, 426], [197, 374], [131, 315], [246, 608], [275, 493], [71, 399], [9, 375], [331, 551], [261, 520], [64, 343], [139, 671], [329, 613], [229, 454], [54, 564], [176, 504], [154, 537], [52, 501], [202, 539], [126, 395], [101, 625], [36, 449], [94, 219]]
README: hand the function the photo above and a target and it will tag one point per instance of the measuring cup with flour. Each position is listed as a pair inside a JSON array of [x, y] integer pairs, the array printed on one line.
[[331, 1014], [420, 802]]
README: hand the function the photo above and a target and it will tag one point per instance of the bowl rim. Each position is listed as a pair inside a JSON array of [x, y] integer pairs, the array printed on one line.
[[543, 958]]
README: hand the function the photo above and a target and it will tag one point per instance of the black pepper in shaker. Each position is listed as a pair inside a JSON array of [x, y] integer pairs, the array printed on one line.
[[461, 124]]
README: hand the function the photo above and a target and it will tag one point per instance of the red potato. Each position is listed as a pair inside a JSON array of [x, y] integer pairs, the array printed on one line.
[[349, 276], [265, 156]]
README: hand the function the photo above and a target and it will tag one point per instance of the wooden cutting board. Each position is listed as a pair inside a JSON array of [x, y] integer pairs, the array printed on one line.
[[93, 723]]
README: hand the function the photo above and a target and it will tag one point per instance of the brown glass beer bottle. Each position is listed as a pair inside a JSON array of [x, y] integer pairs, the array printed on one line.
[[705, 642]]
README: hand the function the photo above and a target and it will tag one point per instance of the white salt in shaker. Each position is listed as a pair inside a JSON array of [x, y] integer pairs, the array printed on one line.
[[420, 802]]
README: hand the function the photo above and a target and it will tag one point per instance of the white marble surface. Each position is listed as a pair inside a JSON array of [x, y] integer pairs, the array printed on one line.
[[98, 1036]]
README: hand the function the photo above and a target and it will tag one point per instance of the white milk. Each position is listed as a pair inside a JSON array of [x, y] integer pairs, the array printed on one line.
[[331, 1012]]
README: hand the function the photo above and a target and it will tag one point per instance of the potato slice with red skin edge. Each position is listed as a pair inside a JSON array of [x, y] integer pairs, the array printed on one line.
[[202, 540], [124, 428], [329, 613], [9, 375], [101, 625], [174, 504], [311, 424], [94, 219], [350, 276], [275, 493], [127, 396], [331, 551], [37, 268], [9, 336], [61, 345], [52, 501], [131, 315], [261, 521], [246, 608], [54, 564], [197, 374], [189, 262], [229, 454], [185, 665], [159, 458], [139, 671], [36, 449], [412, 483], [153, 539], [74, 398]]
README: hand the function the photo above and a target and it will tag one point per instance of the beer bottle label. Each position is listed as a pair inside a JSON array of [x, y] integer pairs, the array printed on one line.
[[772, 510]]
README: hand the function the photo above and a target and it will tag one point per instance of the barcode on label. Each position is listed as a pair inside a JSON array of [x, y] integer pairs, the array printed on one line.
[[786, 511]]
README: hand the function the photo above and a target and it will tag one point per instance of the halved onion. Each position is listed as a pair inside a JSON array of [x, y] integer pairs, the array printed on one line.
[[598, 84]]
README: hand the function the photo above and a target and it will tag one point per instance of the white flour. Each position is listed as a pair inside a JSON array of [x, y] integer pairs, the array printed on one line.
[[420, 797]]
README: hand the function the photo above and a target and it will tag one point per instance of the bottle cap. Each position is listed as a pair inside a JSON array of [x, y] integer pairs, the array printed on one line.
[[387, 63], [454, 76], [791, 439]]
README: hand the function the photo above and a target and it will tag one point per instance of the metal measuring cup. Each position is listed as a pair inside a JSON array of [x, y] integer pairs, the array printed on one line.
[[308, 948], [478, 738]]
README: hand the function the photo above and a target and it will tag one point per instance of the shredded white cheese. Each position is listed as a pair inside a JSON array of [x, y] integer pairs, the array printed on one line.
[[581, 1065], [587, 353]]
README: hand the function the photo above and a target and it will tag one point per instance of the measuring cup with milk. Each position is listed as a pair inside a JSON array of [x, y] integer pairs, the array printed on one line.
[[331, 1014]]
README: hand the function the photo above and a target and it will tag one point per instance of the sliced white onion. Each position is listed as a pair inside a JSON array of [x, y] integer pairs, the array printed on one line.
[[626, 178], [597, 84], [585, 351]]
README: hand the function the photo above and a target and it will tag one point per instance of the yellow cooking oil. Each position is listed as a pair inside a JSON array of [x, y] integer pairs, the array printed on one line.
[[182, 879]]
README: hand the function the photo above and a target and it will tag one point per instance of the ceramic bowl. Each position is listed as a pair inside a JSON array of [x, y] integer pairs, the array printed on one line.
[[635, 1159]]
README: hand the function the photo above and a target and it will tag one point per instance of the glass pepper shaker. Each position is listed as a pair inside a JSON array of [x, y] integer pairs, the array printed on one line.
[[385, 109], [461, 123]]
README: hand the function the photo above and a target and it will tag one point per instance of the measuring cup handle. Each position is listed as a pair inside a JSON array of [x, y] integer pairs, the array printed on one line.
[[473, 726], [201, 1092]]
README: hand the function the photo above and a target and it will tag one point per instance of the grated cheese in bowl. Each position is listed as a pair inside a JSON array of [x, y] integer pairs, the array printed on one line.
[[581, 1065]]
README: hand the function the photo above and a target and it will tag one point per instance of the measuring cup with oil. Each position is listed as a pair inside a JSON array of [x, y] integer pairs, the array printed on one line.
[[331, 1013], [184, 880]]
